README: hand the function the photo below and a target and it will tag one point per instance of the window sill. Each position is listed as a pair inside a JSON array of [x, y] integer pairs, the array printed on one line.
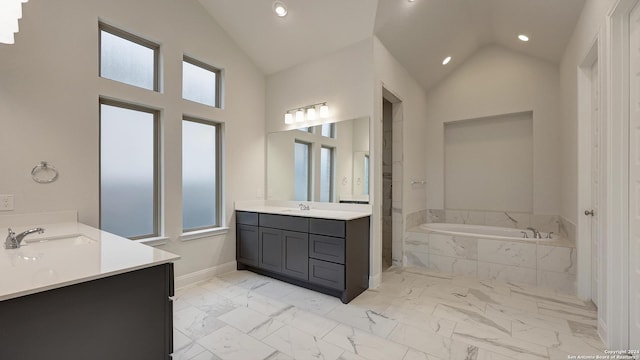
[[154, 241], [199, 234]]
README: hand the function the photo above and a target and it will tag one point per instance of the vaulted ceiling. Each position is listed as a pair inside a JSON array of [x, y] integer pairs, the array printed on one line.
[[420, 34]]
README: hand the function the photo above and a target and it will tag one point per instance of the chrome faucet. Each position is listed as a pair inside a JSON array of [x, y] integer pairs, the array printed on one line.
[[13, 241], [536, 233], [303, 206]]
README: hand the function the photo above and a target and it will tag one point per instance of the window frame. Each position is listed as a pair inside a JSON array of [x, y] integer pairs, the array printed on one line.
[[218, 86], [218, 169], [135, 39], [157, 184]]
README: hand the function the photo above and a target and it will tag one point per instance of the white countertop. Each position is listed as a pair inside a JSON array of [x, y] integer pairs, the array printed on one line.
[[323, 211], [69, 253]]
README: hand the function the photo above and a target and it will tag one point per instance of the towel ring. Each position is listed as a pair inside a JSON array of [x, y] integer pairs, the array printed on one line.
[[44, 173]]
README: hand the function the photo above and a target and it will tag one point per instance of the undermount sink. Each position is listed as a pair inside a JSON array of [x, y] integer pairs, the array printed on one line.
[[295, 211], [64, 240]]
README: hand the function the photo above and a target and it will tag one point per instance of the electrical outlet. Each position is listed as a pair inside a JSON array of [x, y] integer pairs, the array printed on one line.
[[6, 202]]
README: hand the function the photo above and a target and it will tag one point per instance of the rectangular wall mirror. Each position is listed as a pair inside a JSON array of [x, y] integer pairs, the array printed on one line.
[[325, 163]]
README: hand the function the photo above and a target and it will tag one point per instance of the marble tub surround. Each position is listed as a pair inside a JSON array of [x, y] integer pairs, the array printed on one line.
[[543, 263], [67, 253], [336, 211], [416, 218], [566, 228], [509, 219], [414, 314]]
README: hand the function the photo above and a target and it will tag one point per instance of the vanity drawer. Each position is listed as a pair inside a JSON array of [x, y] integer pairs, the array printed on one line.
[[293, 223], [327, 227], [247, 218], [326, 248], [326, 274]]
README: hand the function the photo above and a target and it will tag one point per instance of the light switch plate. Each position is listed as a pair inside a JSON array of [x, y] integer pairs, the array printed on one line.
[[6, 202]]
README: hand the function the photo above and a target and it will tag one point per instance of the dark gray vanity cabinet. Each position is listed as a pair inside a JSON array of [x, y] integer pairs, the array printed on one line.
[[295, 250], [270, 249], [329, 256], [127, 316], [247, 238]]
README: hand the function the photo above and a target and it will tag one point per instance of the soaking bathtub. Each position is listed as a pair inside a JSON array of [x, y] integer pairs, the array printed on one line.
[[495, 253], [484, 232]]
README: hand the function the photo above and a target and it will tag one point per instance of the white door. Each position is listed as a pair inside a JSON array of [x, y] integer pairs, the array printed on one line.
[[634, 179], [595, 178]]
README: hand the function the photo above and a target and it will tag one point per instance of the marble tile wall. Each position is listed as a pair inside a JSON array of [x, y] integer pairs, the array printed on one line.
[[567, 229], [416, 218], [547, 266]]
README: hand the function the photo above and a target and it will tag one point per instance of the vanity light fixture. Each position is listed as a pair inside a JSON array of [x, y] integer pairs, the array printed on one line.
[[308, 113], [288, 118], [446, 60], [280, 8], [10, 13], [523, 37], [311, 113], [324, 111]]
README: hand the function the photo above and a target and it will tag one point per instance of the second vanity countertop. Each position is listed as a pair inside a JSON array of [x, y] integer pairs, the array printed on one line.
[[70, 253], [317, 210]]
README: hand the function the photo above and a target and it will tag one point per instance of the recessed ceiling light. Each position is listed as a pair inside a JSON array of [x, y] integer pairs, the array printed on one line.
[[412, 0], [280, 8], [523, 37], [446, 60]]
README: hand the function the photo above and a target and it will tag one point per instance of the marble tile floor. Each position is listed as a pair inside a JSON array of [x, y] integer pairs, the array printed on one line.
[[414, 314]]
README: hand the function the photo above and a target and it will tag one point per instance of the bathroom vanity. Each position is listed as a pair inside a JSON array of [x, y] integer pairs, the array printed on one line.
[[76, 292], [322, 250]]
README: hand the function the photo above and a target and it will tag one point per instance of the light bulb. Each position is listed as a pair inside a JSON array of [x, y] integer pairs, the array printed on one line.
[[288, 118], [446, 60], [299, 115], [324, 111], [523, 37], [280, 9], [311, 113]]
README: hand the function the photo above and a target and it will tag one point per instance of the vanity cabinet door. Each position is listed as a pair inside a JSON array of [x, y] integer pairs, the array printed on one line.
[[247, 244], [295, 254], [270, 248]]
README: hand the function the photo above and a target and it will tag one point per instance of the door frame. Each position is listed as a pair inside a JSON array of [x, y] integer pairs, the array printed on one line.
[[617, 175], [583, 234]]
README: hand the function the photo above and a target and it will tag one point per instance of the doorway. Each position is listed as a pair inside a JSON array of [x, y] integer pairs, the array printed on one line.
[[387, 183], [392, 214], [591, 272]]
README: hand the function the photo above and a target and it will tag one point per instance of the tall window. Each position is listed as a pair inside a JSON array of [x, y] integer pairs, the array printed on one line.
[[326, 174], [302, 159], [200, 82], [129, 181], [128, 58], [200, 174]]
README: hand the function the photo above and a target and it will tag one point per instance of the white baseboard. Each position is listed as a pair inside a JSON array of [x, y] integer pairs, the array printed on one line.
[[374, 281], [602, 332], [204, 274]]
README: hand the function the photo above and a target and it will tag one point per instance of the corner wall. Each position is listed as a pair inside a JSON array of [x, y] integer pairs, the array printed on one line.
[[49, 91], [390, 75]]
